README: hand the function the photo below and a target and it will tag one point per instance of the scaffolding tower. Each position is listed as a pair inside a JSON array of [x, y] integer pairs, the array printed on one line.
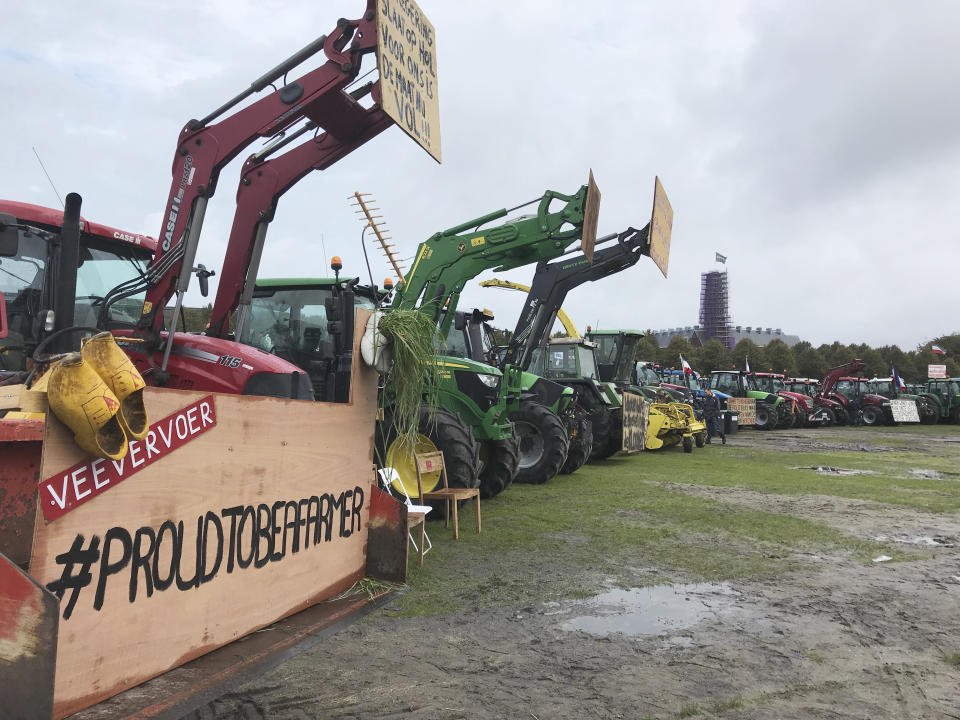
[[714, 313]]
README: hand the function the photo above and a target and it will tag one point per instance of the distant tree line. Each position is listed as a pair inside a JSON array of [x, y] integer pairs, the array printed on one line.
[[803, 359]]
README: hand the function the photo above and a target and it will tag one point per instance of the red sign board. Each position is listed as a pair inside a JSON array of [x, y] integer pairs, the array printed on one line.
[[71, 488], [936, 371]]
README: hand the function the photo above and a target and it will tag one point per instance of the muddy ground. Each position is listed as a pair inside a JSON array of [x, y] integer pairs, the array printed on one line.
[[840, 639]]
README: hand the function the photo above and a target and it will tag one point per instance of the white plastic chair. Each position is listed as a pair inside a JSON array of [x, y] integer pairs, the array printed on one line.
[[416, 513]]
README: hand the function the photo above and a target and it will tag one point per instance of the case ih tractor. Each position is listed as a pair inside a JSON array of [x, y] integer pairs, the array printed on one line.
[[806, 411], [244, 471], [848, 392]]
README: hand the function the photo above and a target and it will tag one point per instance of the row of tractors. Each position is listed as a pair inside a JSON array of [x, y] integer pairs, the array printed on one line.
[[841, 397]]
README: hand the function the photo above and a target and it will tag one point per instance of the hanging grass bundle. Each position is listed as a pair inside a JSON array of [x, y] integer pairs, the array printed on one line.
[[413, 378]]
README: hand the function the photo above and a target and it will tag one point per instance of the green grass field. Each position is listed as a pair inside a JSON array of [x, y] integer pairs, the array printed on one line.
[[620, 521]]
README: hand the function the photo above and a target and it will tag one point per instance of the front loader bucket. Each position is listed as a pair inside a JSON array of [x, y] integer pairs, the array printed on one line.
[[28, 644]]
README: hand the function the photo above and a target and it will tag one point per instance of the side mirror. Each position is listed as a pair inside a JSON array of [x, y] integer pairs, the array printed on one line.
[[3, 316], [9, 235]]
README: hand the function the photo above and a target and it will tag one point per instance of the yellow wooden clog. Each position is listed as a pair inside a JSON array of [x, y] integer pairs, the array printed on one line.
[[102, 353]]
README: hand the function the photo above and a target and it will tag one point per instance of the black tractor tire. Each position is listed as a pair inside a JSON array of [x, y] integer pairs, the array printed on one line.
[[500, 459], [799, 417], [700, 439], [544, 442], [444, 431], [766, 416], [784, 416], [602, 427], [872, 415], [688, 444], [831, 417], [842, 416], [614, 437], [581, 445], [929, 411]]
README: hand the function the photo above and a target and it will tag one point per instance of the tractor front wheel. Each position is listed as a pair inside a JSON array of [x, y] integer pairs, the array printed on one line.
[[872, 415], [544, 442], [440, 430], [831, 417], [766, 416], [614, 437], [500, 459], [581, 444], [929, 411]]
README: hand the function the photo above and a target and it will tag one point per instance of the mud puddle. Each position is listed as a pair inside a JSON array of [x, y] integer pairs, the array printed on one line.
[[830, 470], [926, 474], [657, 610], [923, 540]]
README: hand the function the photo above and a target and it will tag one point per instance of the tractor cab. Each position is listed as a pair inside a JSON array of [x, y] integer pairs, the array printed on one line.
[[876, 408], [742, 385], [31, 276], [291, 318], [946, 392], [616, 352], [645, 373]]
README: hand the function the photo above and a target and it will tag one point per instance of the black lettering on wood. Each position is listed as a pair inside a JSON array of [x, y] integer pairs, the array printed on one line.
[[140, 558], [108, 568]]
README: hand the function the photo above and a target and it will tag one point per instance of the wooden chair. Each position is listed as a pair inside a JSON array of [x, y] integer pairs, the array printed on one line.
[[432, 462], [416, 515]]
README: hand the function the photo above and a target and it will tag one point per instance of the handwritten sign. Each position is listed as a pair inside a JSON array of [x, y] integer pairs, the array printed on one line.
[[661, 227], [407, 59], [635, 417], [84, 481], [904, 411], [747, 407], [591, 217], [148, 560]]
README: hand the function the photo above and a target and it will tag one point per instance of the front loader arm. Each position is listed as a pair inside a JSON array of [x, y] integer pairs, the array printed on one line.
[[204, 149], [553, 281], [830, 379], [262, 183], [448, 260], [568, 325]]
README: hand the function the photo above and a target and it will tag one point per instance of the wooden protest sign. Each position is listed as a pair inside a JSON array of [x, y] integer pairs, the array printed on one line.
[[905, 411], [407, 60], [262, 514], [635, 414], [747, 407]]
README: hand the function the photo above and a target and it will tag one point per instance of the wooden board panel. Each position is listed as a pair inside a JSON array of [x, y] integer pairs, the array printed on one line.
[[263, 514], [747, 407], [905, 411], [635, 417]]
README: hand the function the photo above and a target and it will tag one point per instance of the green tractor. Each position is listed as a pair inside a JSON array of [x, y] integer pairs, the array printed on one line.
[[742, 385], [946, 393]]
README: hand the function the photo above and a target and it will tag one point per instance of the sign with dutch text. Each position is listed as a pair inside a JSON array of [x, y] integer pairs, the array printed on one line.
[[747, 407], [661, 227], [936, 371], [407, 60], [81, 483], [635, 417]]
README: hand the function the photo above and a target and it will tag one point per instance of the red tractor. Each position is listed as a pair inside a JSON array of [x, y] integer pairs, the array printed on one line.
[[853, 395], [803, 409]]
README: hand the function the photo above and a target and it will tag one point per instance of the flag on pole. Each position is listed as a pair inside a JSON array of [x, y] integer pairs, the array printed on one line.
[[746, 363], [898, 382], [687, 370], [721, 258], [938, 350]]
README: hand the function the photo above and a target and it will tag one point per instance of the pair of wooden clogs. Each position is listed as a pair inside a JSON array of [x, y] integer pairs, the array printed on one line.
[[98, 394]]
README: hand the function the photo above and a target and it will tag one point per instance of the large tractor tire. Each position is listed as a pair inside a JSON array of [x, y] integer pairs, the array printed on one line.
[[766, 416], [603, 429], [499, 460], [614, 437], [929, 411], [581, 445], [831, 417], [544, 442], [872, 415], [784, 416], [444, 431]]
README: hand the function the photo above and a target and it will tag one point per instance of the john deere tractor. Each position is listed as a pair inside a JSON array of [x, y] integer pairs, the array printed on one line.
[[946, 393]]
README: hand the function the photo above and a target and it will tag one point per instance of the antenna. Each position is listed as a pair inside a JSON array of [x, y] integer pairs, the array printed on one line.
[[48, 175], [375, 223]]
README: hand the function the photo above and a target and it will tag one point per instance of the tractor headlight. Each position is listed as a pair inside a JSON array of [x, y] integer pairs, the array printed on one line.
[[491, 381]]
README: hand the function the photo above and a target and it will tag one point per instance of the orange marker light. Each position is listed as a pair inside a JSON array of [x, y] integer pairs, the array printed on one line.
[[388, 283], [335, 263]]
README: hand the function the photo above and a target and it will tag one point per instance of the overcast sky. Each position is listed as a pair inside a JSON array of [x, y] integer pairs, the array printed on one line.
[[816, 144]]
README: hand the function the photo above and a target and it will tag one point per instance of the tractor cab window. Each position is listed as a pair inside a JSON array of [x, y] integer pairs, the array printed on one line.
[[21, 282], [725, 383], [847, 388], [456, 343], [561, 361], [777, 385], [588, 363], [882, 387], [103, 266], [646, 375]]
